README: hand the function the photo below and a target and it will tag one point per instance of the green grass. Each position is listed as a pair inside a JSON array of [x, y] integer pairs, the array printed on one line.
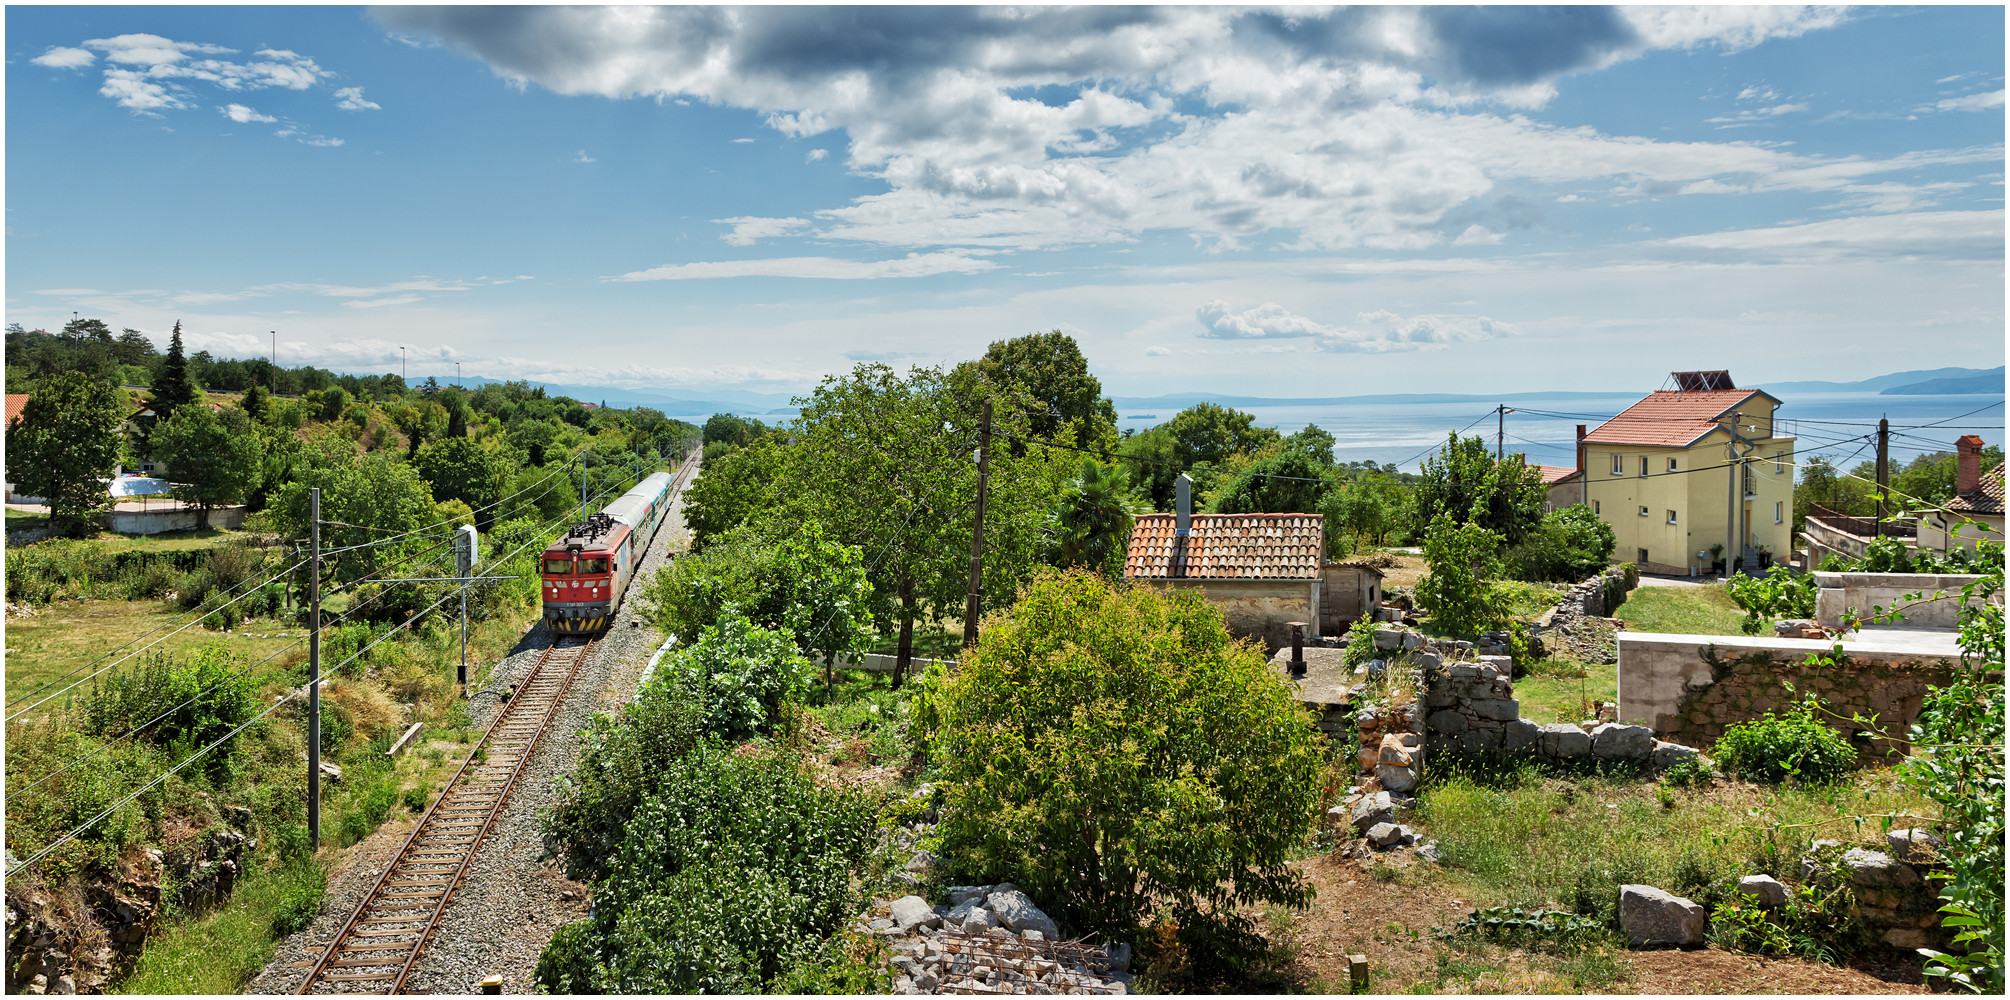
[[1705, 610], [218, 952], [71, 634], [1559, 690], [20, 519], [1529, 841]]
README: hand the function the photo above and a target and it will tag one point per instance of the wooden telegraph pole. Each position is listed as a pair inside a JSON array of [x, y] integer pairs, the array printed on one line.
[[1883, 471], [314, 673], [971, 607]]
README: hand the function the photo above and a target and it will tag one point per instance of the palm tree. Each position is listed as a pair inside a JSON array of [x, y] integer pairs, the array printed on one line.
[[1092, 519]]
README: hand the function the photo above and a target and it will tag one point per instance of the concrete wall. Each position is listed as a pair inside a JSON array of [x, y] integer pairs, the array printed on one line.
[[154, 522], [1259, 609], [1942, 531], [1346, 593], [1671, 684], [1940, 607]]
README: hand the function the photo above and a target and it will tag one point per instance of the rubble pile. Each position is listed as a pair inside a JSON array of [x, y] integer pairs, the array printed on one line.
[[991, 939]]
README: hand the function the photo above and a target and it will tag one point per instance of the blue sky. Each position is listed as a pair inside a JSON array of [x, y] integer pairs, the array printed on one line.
[[1221, 200]]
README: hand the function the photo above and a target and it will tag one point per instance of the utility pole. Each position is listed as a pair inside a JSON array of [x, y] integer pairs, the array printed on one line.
[[1500, 435], [457, 376], [464, 565], [1883, 471], [970, 608], [314, 672], [404, 370], [582, 487]]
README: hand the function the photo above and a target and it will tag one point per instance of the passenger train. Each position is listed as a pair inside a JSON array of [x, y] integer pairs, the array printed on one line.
[[587, 571]]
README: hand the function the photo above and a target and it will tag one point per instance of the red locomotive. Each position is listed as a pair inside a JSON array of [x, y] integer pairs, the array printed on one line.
[[587, 571]]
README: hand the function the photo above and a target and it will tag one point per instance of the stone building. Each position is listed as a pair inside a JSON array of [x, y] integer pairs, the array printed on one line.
[[1261, 570]]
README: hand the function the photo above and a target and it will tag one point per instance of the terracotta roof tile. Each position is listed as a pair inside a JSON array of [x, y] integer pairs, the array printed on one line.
[[1670, 418], [1986, 498], [1227, 547], [1553, 474], [15, 401]]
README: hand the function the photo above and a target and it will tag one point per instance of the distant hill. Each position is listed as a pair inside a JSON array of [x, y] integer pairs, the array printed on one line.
[[1889, 384], [1985, 382]]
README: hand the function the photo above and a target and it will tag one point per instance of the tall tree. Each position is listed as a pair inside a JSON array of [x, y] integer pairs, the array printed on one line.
[[173, 389], [464, 469], [1202, 434], [1464, 481], [134, 349], [1067, 401], [65, 441], [1093, 518], [1290, 482], [215, 458]]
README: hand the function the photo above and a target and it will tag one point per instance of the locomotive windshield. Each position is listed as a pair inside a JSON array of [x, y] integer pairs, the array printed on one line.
[[558, 567], [593, 565]]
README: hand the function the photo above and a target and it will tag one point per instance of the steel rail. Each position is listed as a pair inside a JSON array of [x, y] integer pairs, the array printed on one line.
[[440, 844]]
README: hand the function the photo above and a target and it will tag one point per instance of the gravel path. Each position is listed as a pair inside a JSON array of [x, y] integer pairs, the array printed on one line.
[[513, 897]]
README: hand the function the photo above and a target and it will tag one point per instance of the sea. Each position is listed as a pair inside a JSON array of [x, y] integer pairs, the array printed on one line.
[[1842, 425]]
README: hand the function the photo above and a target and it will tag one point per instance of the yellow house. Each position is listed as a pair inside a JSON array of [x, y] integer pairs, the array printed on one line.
[[1692, 467]]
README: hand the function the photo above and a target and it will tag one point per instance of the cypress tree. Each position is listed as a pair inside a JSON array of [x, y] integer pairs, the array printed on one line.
[[174, 387]]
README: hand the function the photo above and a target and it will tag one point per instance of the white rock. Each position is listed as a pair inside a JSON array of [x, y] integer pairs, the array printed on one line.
[[1771, 894], [910, 912], [1016, 912], [1650, 916]]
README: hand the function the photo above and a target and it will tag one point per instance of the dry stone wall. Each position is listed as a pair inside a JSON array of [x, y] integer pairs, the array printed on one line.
[[1745, 685]]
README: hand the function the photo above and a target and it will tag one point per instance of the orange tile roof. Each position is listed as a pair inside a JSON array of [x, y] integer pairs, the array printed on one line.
[[1671, 418], [15, 401], [1553, 474], [1227, 547], [1985, 498]]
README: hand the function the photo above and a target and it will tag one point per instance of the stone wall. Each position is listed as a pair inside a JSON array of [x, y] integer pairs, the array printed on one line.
[[1258, 609], [1940, 606], [1691, 687]]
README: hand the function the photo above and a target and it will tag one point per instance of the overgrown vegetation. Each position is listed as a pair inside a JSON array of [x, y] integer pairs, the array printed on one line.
[[1793, 747]]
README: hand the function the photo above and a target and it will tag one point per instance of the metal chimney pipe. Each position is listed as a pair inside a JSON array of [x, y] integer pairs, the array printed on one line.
[[1297, 649], [1182, 506]]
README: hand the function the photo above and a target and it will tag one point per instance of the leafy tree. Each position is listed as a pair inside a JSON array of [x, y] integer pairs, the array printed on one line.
[[254, 402], [1369, 507], [1093, 518], [1119, 756], [812, 588], [734, 430], [1202, 434], [731, 491], [370, 498], [93, 330], [1067, 402], [1290, 482], [885, 463], [133, 348], [64, 443], [738, 674], [215, 457], [1570, 544], [1314, 442], [1459, 591], [466, 470], [173, 388], [1464, 481]]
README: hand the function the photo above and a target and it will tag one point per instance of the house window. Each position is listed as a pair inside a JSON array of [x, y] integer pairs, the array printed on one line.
[[1643, 560], [1643, 466], [1643, 512], [1618, 464], [1594, 508], [1671, 517], [1780, 462], [1671, 465], [1779, 511]]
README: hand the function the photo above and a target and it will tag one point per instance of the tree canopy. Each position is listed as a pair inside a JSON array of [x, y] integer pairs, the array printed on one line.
[[64, 443]]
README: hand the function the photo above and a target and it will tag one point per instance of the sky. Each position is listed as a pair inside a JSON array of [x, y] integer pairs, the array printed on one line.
[[1248, 201]]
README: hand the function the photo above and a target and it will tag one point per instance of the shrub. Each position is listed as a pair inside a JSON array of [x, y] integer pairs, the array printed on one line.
[[1886, 554], [1781, 593], [1569, 544], [1782, 747], [812, 587], [1114, 752], [731, 875], [621, 758], [179, 704], [738, 675], [1360, 643], [302, 885], [1458, 591]]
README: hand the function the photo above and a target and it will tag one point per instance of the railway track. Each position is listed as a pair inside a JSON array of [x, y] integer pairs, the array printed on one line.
[[381, 944]]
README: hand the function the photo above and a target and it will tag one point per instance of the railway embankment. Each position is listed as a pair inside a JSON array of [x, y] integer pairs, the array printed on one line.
[[513, 897]]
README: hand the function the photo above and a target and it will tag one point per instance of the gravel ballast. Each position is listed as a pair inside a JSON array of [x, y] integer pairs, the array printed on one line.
[[513, 897]]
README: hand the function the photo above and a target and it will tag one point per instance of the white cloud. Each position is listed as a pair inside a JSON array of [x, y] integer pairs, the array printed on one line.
[[243, 115], [1758, 92], [131, 89], [395, 300], [816, 154], [1971, 102], [581, 157], [748, 230], [351, 99], [739, 141], [1966, 235], [1761, 114], [59, 57], [1477, 235], [1157, 351], [1327, 129], [1374, 332], [914, 265]]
